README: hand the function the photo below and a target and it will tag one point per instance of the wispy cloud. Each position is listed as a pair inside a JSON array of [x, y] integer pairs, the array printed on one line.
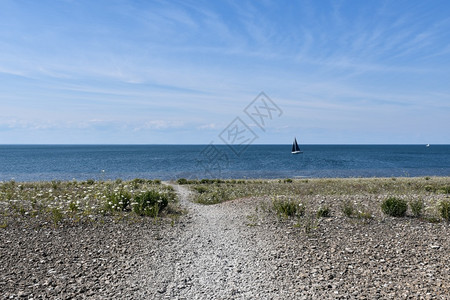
[[187, 65]]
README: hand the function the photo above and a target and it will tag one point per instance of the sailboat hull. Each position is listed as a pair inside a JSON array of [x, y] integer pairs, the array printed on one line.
[[296, 152]]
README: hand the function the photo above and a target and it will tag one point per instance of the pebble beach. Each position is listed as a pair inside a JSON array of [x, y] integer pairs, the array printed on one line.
[[232, 250]]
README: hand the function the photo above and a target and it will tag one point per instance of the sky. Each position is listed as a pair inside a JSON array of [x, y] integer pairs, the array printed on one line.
[[181, 72]]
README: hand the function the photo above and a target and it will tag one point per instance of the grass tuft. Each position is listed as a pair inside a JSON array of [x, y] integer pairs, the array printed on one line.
[[444, 209], [150, 203], [394, 207], [417, 207], [347, 208], [324, 212], [288, 207]]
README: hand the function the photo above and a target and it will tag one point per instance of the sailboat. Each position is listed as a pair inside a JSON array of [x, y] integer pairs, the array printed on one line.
[[295, 147]]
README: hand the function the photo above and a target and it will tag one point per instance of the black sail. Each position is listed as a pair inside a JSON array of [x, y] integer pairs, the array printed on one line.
[[295, 147]]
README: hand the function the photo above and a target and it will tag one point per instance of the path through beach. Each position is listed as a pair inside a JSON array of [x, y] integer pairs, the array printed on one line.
[[216, 254], [232, 251]]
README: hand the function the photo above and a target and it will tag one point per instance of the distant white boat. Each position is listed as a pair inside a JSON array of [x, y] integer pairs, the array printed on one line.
[[295, 147], [427, 145]]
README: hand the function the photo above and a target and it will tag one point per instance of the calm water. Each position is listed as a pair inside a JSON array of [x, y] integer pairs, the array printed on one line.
[[67, 162]]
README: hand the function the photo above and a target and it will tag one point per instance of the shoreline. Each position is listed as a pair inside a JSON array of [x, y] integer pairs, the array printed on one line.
[[172, 179]]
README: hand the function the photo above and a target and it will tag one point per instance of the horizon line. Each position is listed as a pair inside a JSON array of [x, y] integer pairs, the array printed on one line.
[[222, 144]]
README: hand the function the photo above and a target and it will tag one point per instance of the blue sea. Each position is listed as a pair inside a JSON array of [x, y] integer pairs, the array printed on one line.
[[81, 162]]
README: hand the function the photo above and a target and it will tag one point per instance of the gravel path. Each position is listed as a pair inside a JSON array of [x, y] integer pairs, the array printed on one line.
[[213, 255]]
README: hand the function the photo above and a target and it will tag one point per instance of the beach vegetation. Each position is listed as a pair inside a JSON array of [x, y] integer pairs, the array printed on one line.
[[55, 185], [118, 200], [323, 212], [150, 203], [444, 209], [76, 202], [417, 207], [430, 188], [310, 223], [394, 206], [56, 215], [182, 181], [213, 196], [286, 207], [141, 181], [201, 189], [364, 214], [347, 208], [73, 206], [445, 189]]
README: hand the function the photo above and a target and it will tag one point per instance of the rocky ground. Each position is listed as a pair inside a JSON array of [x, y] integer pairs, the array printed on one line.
[[233, 250]]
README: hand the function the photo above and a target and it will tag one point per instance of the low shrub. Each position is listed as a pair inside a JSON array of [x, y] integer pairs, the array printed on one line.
[[288, 208], [394, 207], [55, 184], [430, 188], [287, 180], [57, 216], [323, 212], [118, 200], [347, 208], [416, 207], [73, 206], [206, 181], [445, 189], [182, 181], [444, 209], [364, 215], [213, 196], [138, 181], [201, 189], [150, 203]]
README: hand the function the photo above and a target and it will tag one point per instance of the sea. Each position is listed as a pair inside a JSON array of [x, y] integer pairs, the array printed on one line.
[[166, 162]]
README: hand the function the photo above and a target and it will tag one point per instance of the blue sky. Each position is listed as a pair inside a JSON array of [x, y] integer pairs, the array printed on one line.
[[157, 72]]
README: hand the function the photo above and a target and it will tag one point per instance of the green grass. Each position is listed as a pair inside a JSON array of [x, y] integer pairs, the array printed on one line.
[[324, 212], [394, 207], [358, 198], [150, 203], [347, 208], [417, 207], [444, 209], [326, 187], [288, 207], [70, 202]]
